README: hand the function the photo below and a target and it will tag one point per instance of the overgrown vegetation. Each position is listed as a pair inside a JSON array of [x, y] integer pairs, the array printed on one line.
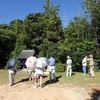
[[45, 33]]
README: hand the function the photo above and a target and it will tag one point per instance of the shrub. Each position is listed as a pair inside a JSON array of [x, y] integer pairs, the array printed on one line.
[[60, 67], [5, 68], [19, 65]]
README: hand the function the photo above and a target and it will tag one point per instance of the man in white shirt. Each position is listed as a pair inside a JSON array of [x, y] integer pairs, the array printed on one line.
[[68, 66], [84, 64]]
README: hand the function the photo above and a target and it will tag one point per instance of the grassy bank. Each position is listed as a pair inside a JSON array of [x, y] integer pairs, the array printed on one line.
[[77, 79]]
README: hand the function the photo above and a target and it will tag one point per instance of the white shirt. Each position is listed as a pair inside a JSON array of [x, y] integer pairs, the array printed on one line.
[[84, 62], [69, 62], [11, 71]]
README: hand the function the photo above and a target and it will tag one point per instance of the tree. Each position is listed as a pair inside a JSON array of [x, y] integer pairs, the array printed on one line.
[[17, 27], [53, 27], [77, 41], [7, 42], [93, 7], [43, 29]]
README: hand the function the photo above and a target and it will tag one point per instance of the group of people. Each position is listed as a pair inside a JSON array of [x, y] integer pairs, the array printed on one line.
[[84, 65], [35, 73], [91, 65]]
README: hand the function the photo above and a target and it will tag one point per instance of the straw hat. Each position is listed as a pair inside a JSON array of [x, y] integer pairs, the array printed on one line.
[[68, 57], [91, 56]]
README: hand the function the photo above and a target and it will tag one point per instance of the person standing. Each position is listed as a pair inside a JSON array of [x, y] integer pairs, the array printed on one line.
[[12, 72], [51, 68], [23, 63], [68, 66], [38, 75], [30, 66], [40, 64], [91, 64], [11, 64], [84, 64]]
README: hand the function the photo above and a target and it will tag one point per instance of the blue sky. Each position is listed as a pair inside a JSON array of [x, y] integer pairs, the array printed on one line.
[[19, 9]]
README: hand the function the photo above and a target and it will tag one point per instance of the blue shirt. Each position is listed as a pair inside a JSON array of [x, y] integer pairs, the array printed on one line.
[[52, 61]]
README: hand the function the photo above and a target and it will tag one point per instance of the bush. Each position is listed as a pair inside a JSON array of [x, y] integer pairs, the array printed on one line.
[[5, 68], [19, 65], [60, 67], [96, 69]]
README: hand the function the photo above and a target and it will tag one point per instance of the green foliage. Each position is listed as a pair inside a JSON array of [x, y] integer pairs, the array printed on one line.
[[44, 33], [60, 67], [17, 50], [96, 68], [19, 65], [5, 68], [93, 8], [7, 42]]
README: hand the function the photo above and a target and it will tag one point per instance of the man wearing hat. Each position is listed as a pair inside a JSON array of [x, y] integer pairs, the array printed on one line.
[[91, 64], [68, 66]]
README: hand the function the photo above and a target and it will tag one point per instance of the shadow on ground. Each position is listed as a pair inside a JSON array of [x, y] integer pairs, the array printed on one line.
[[44, 84], [51, 82], [95, 94], [22, 80]]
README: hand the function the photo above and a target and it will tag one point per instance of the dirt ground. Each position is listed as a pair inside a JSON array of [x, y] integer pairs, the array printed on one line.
[[24, 91]]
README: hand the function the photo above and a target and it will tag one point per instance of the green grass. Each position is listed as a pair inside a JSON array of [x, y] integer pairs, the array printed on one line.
[[77, 79]]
